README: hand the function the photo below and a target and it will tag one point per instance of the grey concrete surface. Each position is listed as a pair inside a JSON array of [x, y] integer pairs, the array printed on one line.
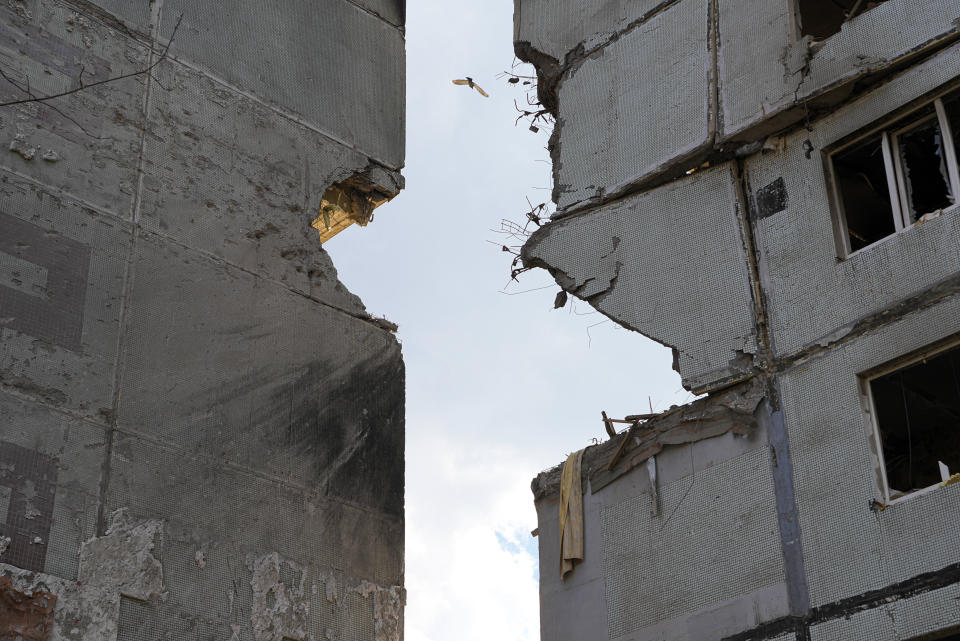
[[629, 262], [201, 428], [835, 469], [85, 144], [563, 28], [357, 99], [737, 267], [38, 330], [663, 67], [766, 68], [812, 294]]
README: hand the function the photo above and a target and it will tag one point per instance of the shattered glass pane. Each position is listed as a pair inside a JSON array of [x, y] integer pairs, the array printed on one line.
[[924, 166], [862, 184]]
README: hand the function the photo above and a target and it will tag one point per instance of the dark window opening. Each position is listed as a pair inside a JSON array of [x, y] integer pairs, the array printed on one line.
[[918, 417], [823, 18], [951, 105], [861, 176], [902, 175], [926, 181]]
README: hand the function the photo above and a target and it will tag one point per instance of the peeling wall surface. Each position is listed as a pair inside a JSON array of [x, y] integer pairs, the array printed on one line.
[[697, 205], [201, 428]]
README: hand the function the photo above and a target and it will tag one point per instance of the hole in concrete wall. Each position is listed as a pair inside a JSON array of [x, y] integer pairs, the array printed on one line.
[[823, 18], [918, 419], [345, 203]]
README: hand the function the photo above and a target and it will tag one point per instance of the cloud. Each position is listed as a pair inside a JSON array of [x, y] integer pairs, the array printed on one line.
[[471, 562]]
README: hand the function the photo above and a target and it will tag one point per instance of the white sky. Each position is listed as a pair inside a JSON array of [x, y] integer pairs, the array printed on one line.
[[498, 386]]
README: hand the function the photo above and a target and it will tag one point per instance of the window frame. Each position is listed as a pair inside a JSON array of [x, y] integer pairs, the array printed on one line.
[[894, 169], [869, 407]]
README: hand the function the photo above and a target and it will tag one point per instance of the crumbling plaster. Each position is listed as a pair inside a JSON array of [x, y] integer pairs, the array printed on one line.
[[669, 263], [815, 298], [713, 63], [123, 563], [817, 320], [601, 107], [209, 374]]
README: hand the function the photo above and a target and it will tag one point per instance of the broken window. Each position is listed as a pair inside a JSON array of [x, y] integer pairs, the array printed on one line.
[[906, 173], [917, 413], [823, 18]]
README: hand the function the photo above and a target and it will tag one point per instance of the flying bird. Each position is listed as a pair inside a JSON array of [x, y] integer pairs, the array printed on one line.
[[470, 83]]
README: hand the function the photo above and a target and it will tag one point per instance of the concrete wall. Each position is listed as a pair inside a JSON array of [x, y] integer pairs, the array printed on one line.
[[675, 123], [201, 429]]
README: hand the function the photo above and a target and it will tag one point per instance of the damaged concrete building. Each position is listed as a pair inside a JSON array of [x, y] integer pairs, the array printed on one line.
[[769, 187], [201, 429]]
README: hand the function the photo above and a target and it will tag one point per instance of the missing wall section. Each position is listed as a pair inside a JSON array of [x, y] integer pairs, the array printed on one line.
[[917, 414], [823, 18], [345, 203]]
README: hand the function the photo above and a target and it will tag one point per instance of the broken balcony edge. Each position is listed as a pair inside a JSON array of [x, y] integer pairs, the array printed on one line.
[[353, 200], [728, 410]]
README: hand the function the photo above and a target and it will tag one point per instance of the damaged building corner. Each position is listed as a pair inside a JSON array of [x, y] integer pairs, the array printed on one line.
[[348, 202], [201, 428], [807, 277]]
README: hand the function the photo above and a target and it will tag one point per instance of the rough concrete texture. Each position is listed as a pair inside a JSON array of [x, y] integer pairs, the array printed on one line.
[[675, 574], [662, 66], [202, 429], [729, 411], [836, 475], [80, 612], [814, 298], [628, 259], [765, 68], [720, 76], [123, 558], [736, 267], [354, 99], [279, 610], [564, 29]]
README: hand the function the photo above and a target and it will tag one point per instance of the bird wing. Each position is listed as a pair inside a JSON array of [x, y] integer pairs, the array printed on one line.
[[482, 92], [461, 81]]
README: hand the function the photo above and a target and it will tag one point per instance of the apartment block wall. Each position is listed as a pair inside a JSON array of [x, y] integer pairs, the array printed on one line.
[[201, 429], [676, 121]]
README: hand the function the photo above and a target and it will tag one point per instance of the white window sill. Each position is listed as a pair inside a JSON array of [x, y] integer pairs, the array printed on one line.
[[943, 212]]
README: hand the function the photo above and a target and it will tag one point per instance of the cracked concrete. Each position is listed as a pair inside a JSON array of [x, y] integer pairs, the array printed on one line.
[[719, 240], [185, 383], [630, 262]]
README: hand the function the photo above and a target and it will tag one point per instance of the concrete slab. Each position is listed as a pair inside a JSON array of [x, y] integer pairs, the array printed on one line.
[[559, 27], [668, 263], [686, 560], [813, 295], [765, 68], [226, 175], [85, 143], [835, 474], [302, 58], [72, 320], [607, 105], [869, 624], [220, 503], [393, 11], [308, 393]]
